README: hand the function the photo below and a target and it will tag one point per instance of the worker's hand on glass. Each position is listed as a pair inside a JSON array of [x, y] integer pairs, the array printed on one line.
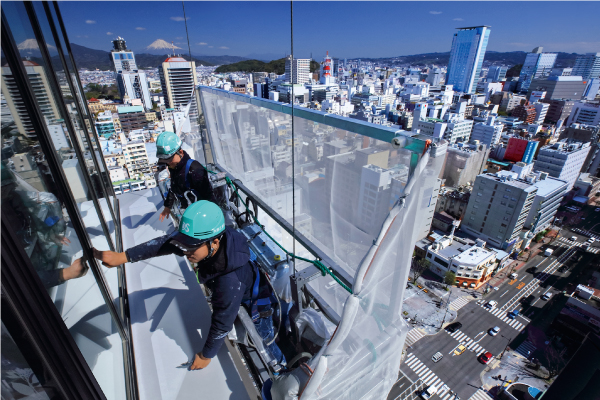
[[200, 362], [110, 258], [164, 214], [74, 271]]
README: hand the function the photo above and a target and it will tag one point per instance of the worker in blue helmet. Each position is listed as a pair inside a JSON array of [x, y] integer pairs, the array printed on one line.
[[223, 265], [189, 179]]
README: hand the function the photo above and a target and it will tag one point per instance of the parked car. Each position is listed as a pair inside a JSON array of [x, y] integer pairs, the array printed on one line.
[[514, 275], [591, 240], [491, 305], [494, 331], [454, 327], [528, 300], [459, 350], [429, 392], [513, 314], [485, 357], [574, 238], [437, 357], [546, 296]]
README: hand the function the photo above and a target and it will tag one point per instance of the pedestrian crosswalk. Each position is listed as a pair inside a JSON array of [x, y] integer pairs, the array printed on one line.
[[587, 233], [513, 323], [428, 377], [480, 395], [526, 349], [459, 303], [413, 336], [467, 341]]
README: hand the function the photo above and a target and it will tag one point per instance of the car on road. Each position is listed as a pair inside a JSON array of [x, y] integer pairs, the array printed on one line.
[[437, 357], [574, 238], [514, 275], [591, 240], [485, 357], [454, 327], [546, 296], [459, 350], [494, 331], [513, 314], [429, 392], [490, 305], [528, 300]]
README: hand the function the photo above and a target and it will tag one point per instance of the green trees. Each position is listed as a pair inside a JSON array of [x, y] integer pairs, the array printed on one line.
[[449, 278], [418, 267]]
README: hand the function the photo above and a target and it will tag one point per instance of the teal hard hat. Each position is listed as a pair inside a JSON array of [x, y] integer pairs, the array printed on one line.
[[201, 222], [167, 144]]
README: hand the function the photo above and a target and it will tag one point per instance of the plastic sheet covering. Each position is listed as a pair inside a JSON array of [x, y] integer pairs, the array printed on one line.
[[363, 357], [319, 325]]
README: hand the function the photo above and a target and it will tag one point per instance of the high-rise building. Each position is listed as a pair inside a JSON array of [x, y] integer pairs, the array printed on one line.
[[525, 112], [541, 110], [558, 110], [537, 65], [498, 207], [39, 83], [131, 82], [496, 73], [559, 87], [562, 160], [132, 118], [466, 57], [297, 71], [584, 113], [178, 80], [587, 66], [487, 132]]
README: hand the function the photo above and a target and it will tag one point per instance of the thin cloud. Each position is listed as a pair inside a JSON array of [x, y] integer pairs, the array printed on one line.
[[458, 19], [90, 21], [179, 19], [435, 12], [179, 38], [224, 47], [109, 33], [139, 28], [202, 44]]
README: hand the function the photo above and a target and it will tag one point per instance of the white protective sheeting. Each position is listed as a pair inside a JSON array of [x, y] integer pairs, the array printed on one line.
[[345, 186]]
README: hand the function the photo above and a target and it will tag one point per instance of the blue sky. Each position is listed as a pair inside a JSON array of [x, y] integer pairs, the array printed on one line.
[[345, 28]]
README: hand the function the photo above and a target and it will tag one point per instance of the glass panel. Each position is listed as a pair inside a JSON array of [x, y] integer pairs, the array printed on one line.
[[41, 222], [19, 381], [74, 169]]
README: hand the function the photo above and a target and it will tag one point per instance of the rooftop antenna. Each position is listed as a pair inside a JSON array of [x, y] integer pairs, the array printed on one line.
[[173, 48]]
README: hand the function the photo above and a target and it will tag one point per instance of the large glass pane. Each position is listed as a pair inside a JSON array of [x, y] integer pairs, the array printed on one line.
[[81, 174], [37, 214], [19, 381]]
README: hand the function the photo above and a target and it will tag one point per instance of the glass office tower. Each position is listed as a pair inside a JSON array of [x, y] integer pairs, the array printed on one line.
[[466, 58]]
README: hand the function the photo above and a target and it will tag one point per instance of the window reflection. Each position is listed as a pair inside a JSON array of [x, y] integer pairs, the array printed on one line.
[[34, 205]]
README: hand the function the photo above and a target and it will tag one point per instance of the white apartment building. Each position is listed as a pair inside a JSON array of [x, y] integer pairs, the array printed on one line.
[[297, 71], [562, 160], [458, 130], [178, 80], [136, 158], [117, 174], [487, 132], [541, 109], [584, 113]]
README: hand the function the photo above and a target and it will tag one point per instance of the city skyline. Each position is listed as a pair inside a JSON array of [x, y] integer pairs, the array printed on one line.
[[429, 30]]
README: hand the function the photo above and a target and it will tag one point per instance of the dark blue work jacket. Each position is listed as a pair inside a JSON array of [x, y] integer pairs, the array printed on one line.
[[230, 287]]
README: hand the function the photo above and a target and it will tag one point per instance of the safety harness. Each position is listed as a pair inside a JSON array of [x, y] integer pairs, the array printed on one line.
[[255, 301], [187, 195]]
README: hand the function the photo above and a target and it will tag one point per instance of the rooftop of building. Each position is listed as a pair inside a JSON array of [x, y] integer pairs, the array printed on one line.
[[474, 255], [130, 109], [549, 185], [509, 178], [564, 146], [175, 59]]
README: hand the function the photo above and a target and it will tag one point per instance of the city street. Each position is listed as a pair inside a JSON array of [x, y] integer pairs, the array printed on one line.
[[459, 375]]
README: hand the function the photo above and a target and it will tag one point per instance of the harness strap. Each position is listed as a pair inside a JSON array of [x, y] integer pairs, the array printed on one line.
[[187, 170]]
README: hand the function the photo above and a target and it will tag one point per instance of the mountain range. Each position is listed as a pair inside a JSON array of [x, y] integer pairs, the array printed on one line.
[[509, 58], [92, 58]]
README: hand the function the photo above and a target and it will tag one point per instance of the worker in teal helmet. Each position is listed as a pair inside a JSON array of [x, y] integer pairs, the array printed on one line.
[[189, 179], [223, 265]]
